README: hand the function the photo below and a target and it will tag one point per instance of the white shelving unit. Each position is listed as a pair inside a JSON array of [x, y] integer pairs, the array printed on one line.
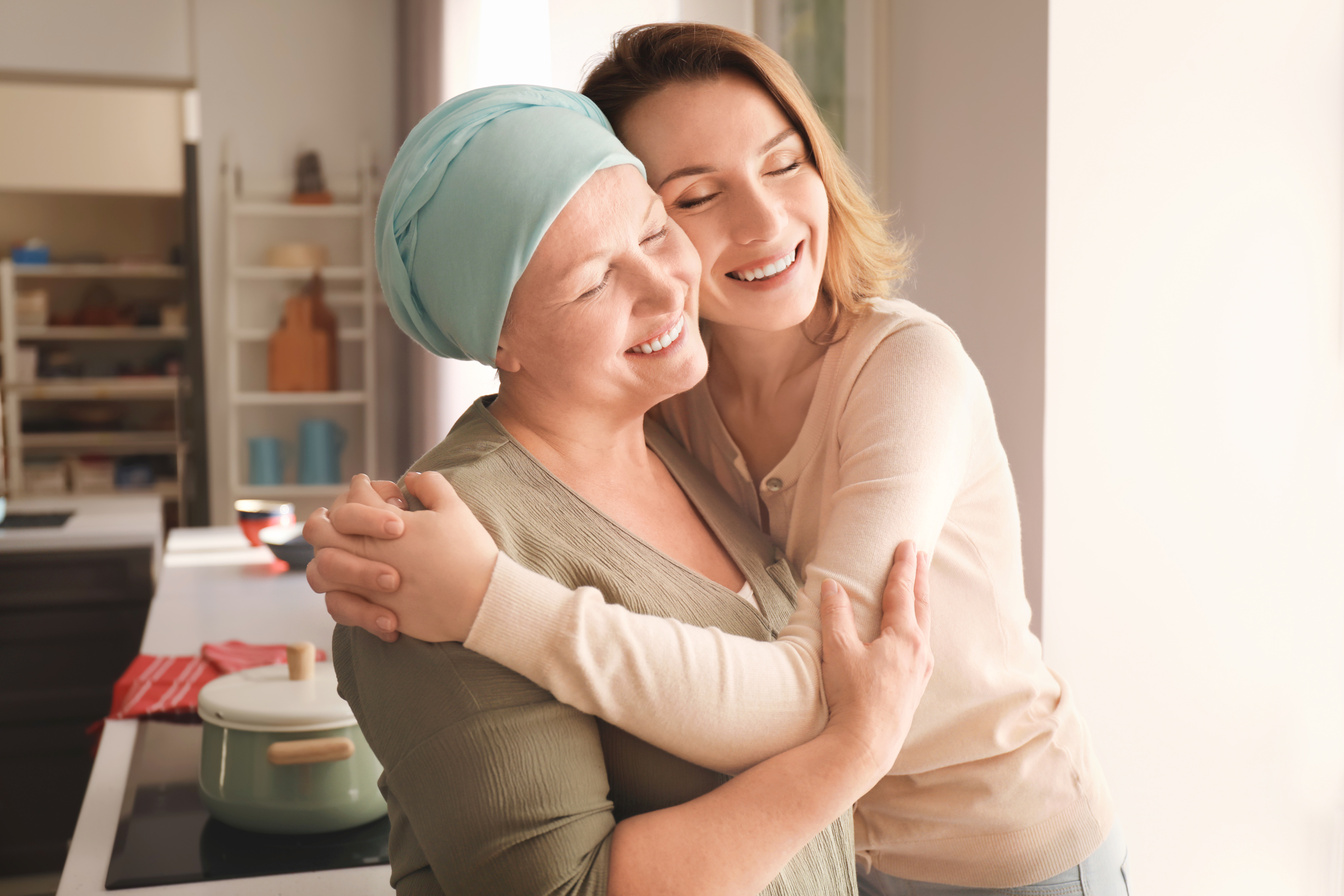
[[257, 216], [21, 445]]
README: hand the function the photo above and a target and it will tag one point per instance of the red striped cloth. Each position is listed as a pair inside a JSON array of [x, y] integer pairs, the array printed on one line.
[[166, 686]]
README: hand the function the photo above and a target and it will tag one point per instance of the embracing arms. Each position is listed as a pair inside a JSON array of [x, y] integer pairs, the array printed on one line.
[[504, 789]]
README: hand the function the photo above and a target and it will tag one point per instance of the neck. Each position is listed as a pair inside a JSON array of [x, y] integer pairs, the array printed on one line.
[[583, 446], [756, 365]]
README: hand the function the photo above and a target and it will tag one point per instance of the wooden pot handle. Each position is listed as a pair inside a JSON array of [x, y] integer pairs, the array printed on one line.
[[300, 656], [308, 752]]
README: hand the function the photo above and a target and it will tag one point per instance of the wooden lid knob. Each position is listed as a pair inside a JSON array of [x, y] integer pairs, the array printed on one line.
[[301, 656]]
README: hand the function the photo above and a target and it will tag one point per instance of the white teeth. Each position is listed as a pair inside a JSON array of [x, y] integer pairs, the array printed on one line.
[[663, 341], [769, 270]]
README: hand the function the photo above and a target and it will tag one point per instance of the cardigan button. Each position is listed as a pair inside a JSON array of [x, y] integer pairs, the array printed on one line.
[[774, 485]]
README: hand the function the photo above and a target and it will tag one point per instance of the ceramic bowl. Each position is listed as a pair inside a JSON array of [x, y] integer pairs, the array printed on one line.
[[253, 516], [286, 542]]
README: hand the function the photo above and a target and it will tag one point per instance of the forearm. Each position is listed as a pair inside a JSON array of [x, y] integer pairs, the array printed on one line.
[[736, 838], [612, 663]]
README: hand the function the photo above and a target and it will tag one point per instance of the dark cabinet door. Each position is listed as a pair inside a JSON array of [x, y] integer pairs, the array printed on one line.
[[70, 623]]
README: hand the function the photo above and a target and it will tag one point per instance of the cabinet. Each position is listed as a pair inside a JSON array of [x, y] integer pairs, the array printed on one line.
[[90, 409], [258, 217]]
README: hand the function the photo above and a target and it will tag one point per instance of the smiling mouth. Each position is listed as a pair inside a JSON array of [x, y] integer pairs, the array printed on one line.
[[658, 343], [765, 272]]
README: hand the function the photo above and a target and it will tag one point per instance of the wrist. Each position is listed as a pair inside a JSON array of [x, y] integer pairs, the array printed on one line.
[[851, 755]]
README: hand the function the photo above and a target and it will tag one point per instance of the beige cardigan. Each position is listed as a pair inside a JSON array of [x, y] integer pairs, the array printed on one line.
[[997, 784]]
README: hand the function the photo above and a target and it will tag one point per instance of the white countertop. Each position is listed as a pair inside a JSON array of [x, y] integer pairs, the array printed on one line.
[[214, 587], [99, 521]]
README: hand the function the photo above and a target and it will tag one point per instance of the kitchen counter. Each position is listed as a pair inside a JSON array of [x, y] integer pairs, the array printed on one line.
[[213, 587], [99, 521]]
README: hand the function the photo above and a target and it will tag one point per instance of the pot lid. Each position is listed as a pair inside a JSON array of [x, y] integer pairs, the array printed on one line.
[[266, 699]]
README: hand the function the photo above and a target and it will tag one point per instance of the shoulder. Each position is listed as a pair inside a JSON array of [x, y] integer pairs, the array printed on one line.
[[902, 358], [471, 448], [900, 327]]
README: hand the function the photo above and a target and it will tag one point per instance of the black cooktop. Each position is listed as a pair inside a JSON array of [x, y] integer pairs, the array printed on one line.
[[166, 836], [35, 520]]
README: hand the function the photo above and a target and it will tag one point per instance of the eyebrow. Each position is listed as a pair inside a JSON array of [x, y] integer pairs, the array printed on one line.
[[693, 170], [654, 204]]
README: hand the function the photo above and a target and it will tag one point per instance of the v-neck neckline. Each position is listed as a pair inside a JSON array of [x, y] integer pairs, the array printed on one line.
[[744, 556], [809, 434]]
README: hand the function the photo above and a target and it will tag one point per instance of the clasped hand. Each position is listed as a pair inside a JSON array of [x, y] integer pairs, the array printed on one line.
[[385, 568]]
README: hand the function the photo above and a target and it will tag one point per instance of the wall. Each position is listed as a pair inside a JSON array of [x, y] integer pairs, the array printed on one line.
[[1194, 576], [275, 79], [961, 123], [128, 40]]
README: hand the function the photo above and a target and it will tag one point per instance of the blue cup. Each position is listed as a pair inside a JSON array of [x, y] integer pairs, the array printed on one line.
[[320, 446], [266, 460]]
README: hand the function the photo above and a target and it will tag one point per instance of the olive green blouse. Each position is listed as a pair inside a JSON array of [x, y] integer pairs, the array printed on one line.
[[492, 785]]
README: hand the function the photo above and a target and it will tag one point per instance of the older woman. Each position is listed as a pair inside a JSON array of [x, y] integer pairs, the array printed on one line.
[[842, 422], [515, 229]]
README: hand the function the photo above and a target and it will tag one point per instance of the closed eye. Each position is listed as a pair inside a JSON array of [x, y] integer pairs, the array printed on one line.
[[687, 204], [787, 168], [655, 237], [592, 293]]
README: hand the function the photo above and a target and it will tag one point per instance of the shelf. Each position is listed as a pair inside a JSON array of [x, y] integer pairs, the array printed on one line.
[[125, 271], [299, 398], [108, 442], [98, 387], [292, 210], [346, 334], [93, 334], [262, 272]]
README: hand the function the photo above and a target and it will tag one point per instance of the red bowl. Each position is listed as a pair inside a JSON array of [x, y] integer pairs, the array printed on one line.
[[253, 516]]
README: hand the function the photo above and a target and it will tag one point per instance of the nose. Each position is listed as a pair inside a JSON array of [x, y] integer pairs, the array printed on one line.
[[666, 277], [756, 215]]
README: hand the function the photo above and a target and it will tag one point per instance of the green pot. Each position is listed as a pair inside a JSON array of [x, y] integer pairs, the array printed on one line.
[[284, 756]]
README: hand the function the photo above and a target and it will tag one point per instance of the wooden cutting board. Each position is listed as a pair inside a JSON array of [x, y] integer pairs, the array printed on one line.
[[302, 352]]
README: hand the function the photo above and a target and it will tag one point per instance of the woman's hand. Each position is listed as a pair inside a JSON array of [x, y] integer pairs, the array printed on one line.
[[873, 689], [385, 569]]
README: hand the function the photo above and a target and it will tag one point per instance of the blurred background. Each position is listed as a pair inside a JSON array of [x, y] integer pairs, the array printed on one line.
[[1132, 214]]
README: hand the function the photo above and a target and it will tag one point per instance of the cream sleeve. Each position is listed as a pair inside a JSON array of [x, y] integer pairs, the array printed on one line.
[[727, 702]]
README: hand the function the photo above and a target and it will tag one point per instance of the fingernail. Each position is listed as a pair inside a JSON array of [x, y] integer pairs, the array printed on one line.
[[387, 583], [829, 588], [392, 527], [922, 557], [385, 623]]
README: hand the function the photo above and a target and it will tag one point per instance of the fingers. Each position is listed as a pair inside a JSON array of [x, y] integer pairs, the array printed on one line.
[[374, 521], [335, 569], [353, 610], [431, 489], [898, 597], [390, 492], [365, 491], [923, 613], [837, 618]]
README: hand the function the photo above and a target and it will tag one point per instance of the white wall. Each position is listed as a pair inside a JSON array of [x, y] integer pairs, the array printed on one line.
[[1194, 484], [275, 79], [960, 156]]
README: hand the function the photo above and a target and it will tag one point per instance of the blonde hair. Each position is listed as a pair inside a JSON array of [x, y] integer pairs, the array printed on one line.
[[863, 261]]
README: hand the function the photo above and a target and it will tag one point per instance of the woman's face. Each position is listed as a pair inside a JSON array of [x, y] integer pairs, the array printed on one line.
[[605, 313], [736, 175]]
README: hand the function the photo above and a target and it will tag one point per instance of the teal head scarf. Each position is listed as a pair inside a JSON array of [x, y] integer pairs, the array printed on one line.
[[468, 198]]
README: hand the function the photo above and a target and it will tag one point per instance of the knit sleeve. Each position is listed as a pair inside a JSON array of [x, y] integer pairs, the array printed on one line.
[[905, 430], [504, 789]]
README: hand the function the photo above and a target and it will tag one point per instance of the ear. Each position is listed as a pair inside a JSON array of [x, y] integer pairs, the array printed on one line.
[[506, 360]]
